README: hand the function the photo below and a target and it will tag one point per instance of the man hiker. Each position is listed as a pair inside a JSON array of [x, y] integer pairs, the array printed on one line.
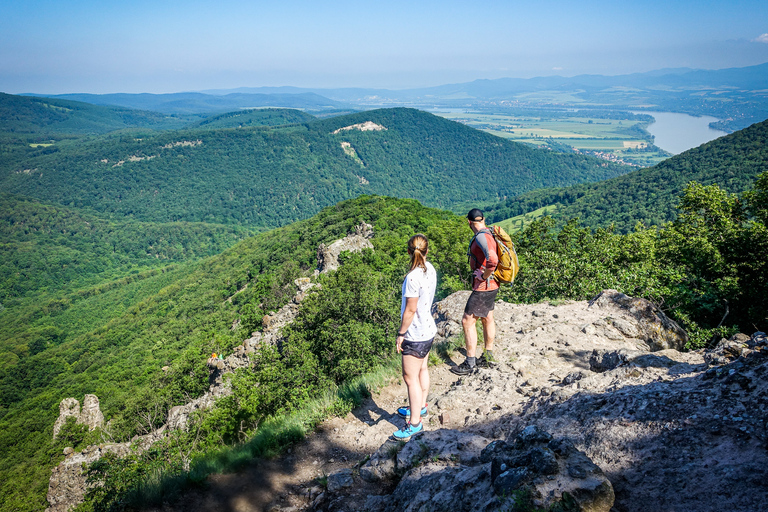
[[482, 262]]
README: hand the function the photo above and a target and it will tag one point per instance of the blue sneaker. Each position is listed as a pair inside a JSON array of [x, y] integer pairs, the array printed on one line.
[[406, 411], [408, 430]]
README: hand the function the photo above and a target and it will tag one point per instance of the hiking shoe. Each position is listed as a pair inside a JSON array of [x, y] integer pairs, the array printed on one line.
[[406, 411], [408, 430], [486, 362], [463, 369]]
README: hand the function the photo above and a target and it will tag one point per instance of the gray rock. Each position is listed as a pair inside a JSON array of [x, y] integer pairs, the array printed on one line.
[[340, 479], [328, 256], [440, 445], [67, 407], [656, 328], [90, 414], [554, 471], [381, 465]]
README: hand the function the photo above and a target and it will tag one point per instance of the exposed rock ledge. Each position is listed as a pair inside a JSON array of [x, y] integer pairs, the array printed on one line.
[[666, 430]]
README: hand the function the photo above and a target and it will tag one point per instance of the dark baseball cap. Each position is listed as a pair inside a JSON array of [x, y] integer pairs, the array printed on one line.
[[475, 215]]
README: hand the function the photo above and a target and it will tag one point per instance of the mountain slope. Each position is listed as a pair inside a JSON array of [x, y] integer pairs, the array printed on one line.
[[49, 248], [651, 195], [24, 116], [271, 177], [177, 319], [257, 117]]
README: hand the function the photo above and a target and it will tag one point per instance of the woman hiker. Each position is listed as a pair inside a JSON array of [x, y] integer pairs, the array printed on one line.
[[416, 333]]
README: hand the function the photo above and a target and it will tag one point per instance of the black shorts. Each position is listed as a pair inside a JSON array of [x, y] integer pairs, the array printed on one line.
[[481, 303], [418, 349]]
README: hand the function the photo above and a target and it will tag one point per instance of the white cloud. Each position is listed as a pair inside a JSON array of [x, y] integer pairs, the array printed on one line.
[[761, 39], [557, 68]]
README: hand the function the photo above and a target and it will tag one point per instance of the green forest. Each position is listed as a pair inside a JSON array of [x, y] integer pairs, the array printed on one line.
[[266, 177], [112, 272]]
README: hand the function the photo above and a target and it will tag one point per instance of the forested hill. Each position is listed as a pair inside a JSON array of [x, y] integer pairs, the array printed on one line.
[[51, 249], [113, 341], [273, 176], [257, 117], [26, 117], [651, 195]]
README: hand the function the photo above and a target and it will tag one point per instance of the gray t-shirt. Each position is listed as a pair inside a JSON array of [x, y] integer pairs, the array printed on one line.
[[422, 285]]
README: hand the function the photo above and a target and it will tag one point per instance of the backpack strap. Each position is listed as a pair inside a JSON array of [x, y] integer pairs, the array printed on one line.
[[469, 249]]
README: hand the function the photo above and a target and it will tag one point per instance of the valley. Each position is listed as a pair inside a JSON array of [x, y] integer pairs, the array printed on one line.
[[614, 136]]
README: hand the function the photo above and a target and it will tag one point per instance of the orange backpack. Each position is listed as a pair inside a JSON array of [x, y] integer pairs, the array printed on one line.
[[508, 266]]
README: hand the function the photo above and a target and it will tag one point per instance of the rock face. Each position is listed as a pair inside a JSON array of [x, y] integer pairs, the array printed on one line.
[[90, 414], [453, 471], [67, 485], [651, 325], [328, 256]]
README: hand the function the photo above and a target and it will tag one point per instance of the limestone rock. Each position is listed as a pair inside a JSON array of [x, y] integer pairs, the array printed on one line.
[[381, 465], [68, 407], [89, 415], [340, 479], [657, 329], [552, 469], [451, 470], [67, 487], [328, 256]]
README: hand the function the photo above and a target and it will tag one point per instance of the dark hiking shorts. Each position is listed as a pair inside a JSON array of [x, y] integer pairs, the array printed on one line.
[[418, 349], [481, 303]]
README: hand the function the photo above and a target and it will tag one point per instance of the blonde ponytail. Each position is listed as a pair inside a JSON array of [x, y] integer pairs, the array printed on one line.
[[418, 246]]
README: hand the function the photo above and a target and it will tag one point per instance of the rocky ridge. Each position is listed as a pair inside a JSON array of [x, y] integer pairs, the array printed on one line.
[[67, 484], [650, 427]]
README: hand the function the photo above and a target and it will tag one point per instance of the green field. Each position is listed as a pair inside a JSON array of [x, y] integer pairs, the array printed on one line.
[[615, 139], [520, 222]]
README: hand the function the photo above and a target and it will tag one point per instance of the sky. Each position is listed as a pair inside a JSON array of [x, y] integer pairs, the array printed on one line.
[[106, 46]]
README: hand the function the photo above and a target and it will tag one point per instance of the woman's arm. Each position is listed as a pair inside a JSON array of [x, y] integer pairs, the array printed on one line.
[[411, 305]]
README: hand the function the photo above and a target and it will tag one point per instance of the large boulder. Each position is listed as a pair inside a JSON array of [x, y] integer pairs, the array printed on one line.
[[654, 327]]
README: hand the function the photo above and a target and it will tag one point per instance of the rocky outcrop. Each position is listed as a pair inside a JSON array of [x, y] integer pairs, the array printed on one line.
[[67, 483], [650, 323], [453, 471], [631, 422], [328, 256], [89, 415]]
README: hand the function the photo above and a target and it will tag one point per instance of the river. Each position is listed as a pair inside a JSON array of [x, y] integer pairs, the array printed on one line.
[[680, 132]]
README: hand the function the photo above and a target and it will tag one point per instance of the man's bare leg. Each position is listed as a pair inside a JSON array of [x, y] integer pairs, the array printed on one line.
[[470, 333], [489, 330]]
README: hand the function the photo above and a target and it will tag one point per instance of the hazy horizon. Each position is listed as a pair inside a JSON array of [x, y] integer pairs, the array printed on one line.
[[84, 46]]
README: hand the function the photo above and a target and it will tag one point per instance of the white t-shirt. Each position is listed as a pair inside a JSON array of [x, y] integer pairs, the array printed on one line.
[[422, 285]]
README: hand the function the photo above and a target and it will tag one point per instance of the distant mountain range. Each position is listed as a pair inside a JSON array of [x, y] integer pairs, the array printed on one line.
[[752, 77], [196, 103], [734, 95]]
